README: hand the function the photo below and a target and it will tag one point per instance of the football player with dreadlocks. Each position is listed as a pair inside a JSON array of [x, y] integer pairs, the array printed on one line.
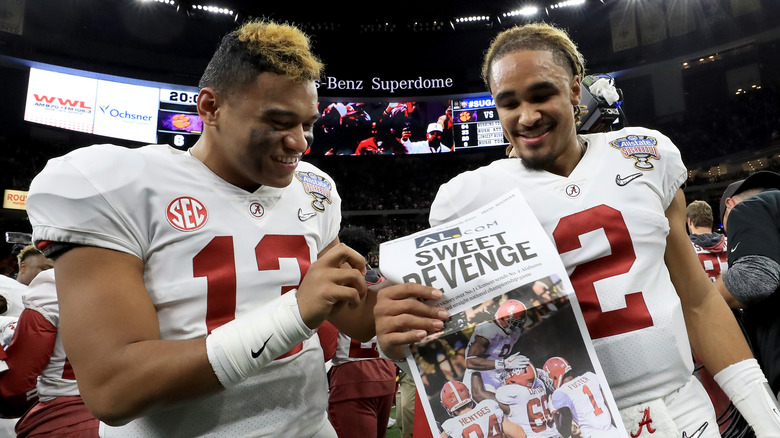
[[488, 350]]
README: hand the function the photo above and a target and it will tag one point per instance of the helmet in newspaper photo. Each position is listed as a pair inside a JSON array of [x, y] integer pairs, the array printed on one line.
[[455, 395], [510, 315], [557, 368], [523, 376]]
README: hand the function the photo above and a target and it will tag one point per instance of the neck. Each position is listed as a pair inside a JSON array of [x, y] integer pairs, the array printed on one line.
[[700, 230]]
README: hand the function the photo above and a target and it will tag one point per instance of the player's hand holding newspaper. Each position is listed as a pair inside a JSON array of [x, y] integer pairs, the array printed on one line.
[[486, 263]]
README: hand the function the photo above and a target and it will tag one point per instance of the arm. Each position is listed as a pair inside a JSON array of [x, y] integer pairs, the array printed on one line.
[[479, 393], [123, 366], [724, 292], [512, 430], [749, 280], [477, 352], [356, 319], [28, 354], [713, 331]]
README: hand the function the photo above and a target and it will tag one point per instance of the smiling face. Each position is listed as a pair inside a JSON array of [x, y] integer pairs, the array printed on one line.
[[256, 135], [535, 96]]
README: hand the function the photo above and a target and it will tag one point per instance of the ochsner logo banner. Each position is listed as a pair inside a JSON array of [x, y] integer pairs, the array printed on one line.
[[61, 100], [127, 111]]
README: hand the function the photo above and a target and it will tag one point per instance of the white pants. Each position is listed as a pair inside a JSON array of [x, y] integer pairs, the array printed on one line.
[[686, 411]]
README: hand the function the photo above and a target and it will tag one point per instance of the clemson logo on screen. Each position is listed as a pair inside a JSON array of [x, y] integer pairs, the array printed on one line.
[[186, 213], [180, 121]]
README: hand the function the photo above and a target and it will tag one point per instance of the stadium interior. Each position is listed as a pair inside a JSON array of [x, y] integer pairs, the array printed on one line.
[[704, 72]]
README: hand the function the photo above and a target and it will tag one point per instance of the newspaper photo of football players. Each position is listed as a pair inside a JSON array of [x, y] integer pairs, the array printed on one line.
[[507, 365]]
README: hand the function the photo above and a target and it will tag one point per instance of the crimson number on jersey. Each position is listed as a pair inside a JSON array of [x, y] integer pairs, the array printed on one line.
[[216, 261], [601, 324]]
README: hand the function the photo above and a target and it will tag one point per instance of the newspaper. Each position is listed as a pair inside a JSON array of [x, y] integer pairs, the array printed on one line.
[[485, 263]]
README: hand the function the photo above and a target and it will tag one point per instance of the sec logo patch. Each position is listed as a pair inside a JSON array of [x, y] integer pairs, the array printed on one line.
[[186, 213]]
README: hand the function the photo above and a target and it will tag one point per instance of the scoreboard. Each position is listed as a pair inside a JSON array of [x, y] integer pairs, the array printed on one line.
[[475, 123]]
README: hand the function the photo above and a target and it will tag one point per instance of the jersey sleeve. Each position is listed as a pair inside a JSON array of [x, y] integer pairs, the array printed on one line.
[[507, 394], [73, 199], [673, 171], [560, 399], [28, 354], [333, 221], [42, 297]]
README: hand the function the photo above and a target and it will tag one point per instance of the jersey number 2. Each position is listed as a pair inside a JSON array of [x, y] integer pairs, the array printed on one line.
[[635, 315]]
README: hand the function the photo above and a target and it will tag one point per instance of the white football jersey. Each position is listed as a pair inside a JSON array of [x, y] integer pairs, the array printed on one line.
[[484, 421], [583, 396], [530, 409], [211, 251], [714, 263], [57, 378], [12, 291], [607, 220], [500, 347]]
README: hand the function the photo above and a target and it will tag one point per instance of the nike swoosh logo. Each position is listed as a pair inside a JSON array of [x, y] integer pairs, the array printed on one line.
[[699, 432], [735, 247], [303, 217], [256, 354], [623, 181]]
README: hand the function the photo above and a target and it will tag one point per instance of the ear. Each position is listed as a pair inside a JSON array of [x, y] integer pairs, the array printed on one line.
[[576, 90], [208, 105]]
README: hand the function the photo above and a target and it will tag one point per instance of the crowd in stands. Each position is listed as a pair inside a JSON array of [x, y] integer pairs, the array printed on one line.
[[750, 121]]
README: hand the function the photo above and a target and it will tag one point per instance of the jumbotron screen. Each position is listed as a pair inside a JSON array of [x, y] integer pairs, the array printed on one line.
[[150, 112], [406, 127]]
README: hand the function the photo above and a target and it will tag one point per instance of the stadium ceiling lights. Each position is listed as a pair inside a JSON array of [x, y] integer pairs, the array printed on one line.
[[214, 9], [567, 3], [525, 11], [473, 19], [166, 2]]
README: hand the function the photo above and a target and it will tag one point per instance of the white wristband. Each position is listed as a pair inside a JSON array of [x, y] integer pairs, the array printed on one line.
[[242, 347], [745, 385]]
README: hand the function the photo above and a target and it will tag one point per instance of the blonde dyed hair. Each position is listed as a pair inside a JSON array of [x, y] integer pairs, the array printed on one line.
[[27, 251], [261, 46]]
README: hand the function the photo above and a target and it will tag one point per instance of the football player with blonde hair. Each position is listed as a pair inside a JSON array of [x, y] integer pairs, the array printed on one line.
[[191, 283]]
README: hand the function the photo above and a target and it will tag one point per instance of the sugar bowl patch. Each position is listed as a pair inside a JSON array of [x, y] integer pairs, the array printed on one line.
[[639, 147], [316, 186]]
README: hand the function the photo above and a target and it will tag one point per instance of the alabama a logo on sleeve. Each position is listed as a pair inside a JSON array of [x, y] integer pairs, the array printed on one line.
[[316, 186]]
